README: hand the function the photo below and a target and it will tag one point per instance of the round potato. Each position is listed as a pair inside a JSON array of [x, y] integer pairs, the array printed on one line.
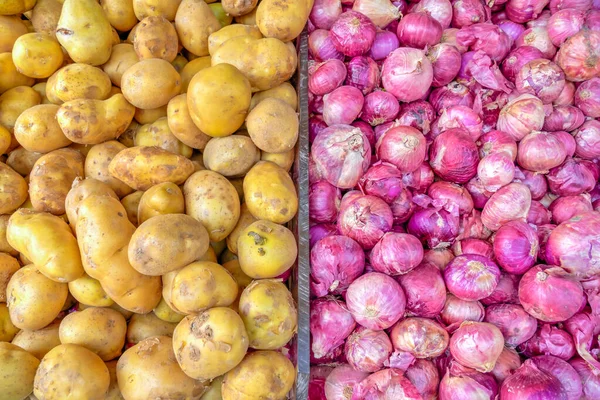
[[261, 375], [97, 162], [283, 20], [149, 370], [8, 266], [79, 81], [195, 22], [248, 19], [216, 39], [11, 27], [212, 200], [81, 190], [218, 99], [166, 313], [231, 155], [233, 266], [154, 250], [213, 286], [284, 160], [40, 88], [285, 92], [122, 57], [13, 189], [156, 37], [39, 342], [7, 329], [150, 83], [45, 16], [37, 55], [9, 76], [158, 134], [88, 291], [246, 219], [18, 371], [33, 300], [131, 203], [15, 101], [22, 161], [6, 140], [5, 247], [164, 198], [182, 126], [214, 390], [148, 8], [266, 249], [72, 371], [143, 326], [100, 330], [273, 126], [238, 7], [211, 343], [224, 18], [120, 14], [190, 69], [150, 115], [37, 129]]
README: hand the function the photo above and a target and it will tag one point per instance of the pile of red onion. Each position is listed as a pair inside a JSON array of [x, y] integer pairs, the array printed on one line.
[[454, 199]]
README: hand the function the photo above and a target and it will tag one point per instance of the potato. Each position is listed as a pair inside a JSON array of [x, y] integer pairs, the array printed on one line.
[[195, 22], [9, 76], [216, 39], [202, 285], [5, 247], [164, 198], [13, 189], [88, 291], [7, 329], [78, 81], [182, 126], [150, 115], [179, 62], [88, 121], [125, 313], [227, 256], [51, 179], [143, 326], [231, 155], [127, 137], [122, 57], [97, 162], [81, 190], [106, 259], [218, 99], [191, 68], [214, 390], [158, 134], [18, 371], [37, 55], [261, 375], [150, 83], [285, 92], [210, 255], [166, 313], [142, 167], [40, 88], [100, 330], [284, 160], [247, 19], [33, 300], [238, 184], [266, 249], [277, 61], [273, 126], [6, 140], [85, 32], [238, 7], [131, 204], [11, 27], [246, 218], [283, 20], [120, 14], [8, 266], [38, 342], [148, 8], [211, 343], [212, 200], [37, 129], [113, 393], [156, 37], [15, 101], [71, 371], [22, 160], [45, 16], [235, 270]]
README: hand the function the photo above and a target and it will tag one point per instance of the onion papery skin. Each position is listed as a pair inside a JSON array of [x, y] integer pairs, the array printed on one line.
[[436, 227], [407, 74], [486, 37], [462, 383], [473, 246], [538, 214], [509, 203], [456, 311], [451, 193], [508, 362], [342, 105], [418, 114], [521, 116], [458, 117], [516, 247], [454, 156], [403, 146], [536, 183], [453, 93], [330, 325], [385, 42], [386, 257], [530, 383], [517, 58], [381, 12], [591, 381], [578, 56], [522, 11], [563, 118], [477, 345], [324, 13], [505, 292], [342, 382], [549, 340], [425, 290], [363, 74], [379, 107], [573, 177], [496, 170], [471, 277], [468, 12], [564, 24], [540, 152], [321, 47], [513, 321], [327, 77], [495, 142], [425, 378], [421, 337], [365, 219], [440, 10], [564, 372], [368, 350], [445, 60], [587, 139], [382, 180], [320, 231], [386, 384], [353, 33], [541, 78]]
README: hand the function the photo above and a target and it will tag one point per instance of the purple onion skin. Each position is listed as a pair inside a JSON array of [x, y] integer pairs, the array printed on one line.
[[365, 219], [436, 227], [353, 34], [425, 378], [326, 335], [319, 231], [591, 381], [511, 202], [324, 201], [425, 290], [462, 383], [457, 311], [368, 350], [362, 73], [422, 337], [573, 177], [513, 321], [386, 258], [379, 107], [530, 383], [508, 361], [549, 340], [471, 277], [477, 345], [564, 372], [506, 291], [516, 247], [385, 42], [567, 207], [342, 382], [342, 105], [454, 156]]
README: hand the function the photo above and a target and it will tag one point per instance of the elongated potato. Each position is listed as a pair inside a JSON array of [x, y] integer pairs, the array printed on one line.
[[18, 371], [161, 199], [13, 189], [96, 166], [45, 16], [181, 124], [82, 189], [37, 129], [216, 39], [195, 22], [144, 326], [39, 342], [88, 291]]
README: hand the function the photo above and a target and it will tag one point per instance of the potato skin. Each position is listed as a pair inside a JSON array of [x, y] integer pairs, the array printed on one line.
[[159, 134], [191, 68], [143, 326], [148, 8], [14, 102], [11, 27], [212, 200], [39, 342], [48, 242], [195, 22], [7, 329], [283, 20], [96, 166], [216, 39], [164, 198], [18, 371], [5, 247], [156, 37], [149, 370], [37, 129], [237, 8], [78, 81], [273, 126], [285, 92], [10, 77], [166, 313], [231, 155], [13, 189], [131, 203], [22, 160], [119, 13], [150, 83], [37, 55], [284, 160], [73, 371], [211, 343], [81, 190], [88, 291], [246, 219], [8, 266], [181, 124], [123, 56]]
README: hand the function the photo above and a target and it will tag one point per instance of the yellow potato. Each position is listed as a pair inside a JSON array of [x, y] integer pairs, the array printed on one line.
[[238, 185], [156, 37], [158, 134], [51, 179], [13, 189], [285, 92], [167, 286], [235, 270], [231, 155], [266, 249], [9, 76], [247, 19], [218, 99], [227, 256], [238, 7], [100, 330], [71, 371], [8, 7], [40, 88], [210, 255], [127, 137], [166, 313], [150, 83], [190, 69], [131, 203], [283, 20], [5, 247], [246, 219], [113, 393], [195, 22], [150, 115], [164, 198], [120, 14], [85, 32], [216, 39], [88, 291], [277, 60], [97, 162], [149, 370], [122, 57], [212, 200], [88, 121], [211, 343], [148, 8], [7, 329], [125, 313], [182, 126], [15, 101], [22, 160], [11, 27], [261, 375], [202, 285], [284, 160], [273, 126], [18, 371], [38, 342], [179, 62], [144, 326], [37, 55], [81, 190], [33, 300], [214, 390], [5, 140], [37, 129], [198, 162], [8, 266], [78, 81]]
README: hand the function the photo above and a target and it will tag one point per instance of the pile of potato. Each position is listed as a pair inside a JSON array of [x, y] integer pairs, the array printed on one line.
[[145, 150]]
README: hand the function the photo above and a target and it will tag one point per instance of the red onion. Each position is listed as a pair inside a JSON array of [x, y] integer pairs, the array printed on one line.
[[590, 381], [468, 12], [353, 33], [421, 337], [509, 203], [544, 232], [379, 107], [549, 295], [402, 146], [473, 246], [452, 94], [515, 324], [425, 377], [567, 207], [458, 117], [522, 11], [592, 19], [495, 171], [540, 152], [508, 361], [574, 177], [454, 156], [564, 372], [541, 78], [521, 116], [420, 179], [478, 192], [541, 20], [477, 345], [438, 257], [537, 37], [445, 60], [336, 261], [472, 227], [557, 5], [512, 29], [321, 47], [385, 42], [587, 138], [496, 142], [315, 126], [386, 258], [563, 118], [325, 12], [315, 103], [365, 219], [324, 201], [436, 227], [334, 356], [461, 383], [452, 193], [566, 96], [407, 74], [538, 214], [505, 292], [587, 98], [419, 29], [327, 76], [376, 309], [449, 36], [400, 360], [486, 37], [402, 207], [342, 105], [549, 340], [425, 290], [528, 382], [368, 350], [342, 382], [471, 277], [386, 384], [418, 114], [320, 231], [316, 385], [342, 154], [456, 311], [367, 131], [517, 58], [564, 24], [382, 180], [535, 182], [363, 73], [381, 12], [330, 325], [577, 56], [584, 328], [349, 197]]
